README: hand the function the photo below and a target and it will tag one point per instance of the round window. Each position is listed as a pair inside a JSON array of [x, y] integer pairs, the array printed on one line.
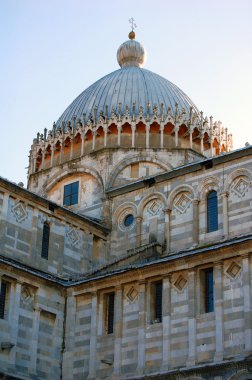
[[128, 220]]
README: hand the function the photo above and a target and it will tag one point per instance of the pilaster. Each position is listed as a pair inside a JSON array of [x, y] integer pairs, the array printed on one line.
[[93, 338], [195, 222], [246, 280], [218, 307], [118, 331], [141, 328], [225, 214], [191, 318], [166, 319]]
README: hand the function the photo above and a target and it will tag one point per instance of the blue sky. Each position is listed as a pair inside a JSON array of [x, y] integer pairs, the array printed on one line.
[[51, 50]]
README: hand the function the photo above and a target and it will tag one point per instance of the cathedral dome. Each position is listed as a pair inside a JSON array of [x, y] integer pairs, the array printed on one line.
[[131, 86]]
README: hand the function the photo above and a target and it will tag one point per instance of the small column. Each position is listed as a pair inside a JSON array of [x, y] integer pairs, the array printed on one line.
[[166, 318], [4, 217], [176, 129], [119, 128], [14, 316], [82, 143], [61, 149], [34, 338], [191, 133], [93, 332], [71, 147], [191, 319], [118, 331], [139, 221], [43, 159], [225, 214], [133, 129], [93, 141], [161, 135], [70, 339], [247, 303], [141, 328], [105, 135], [201, 143], [195, 222], [52, 154], [167, 229], [147, 128], [218, 307]]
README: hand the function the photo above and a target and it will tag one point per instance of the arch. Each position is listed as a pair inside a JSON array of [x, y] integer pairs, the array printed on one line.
[[176, 191], [210, 183], [126, 128], [237, 173], [60, 175], [120, 209], [154, 127], [135, 158], [149, 198]]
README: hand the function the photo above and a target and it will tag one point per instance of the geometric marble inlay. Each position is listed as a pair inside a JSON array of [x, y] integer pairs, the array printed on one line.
[[132, 294], [26, 294], [240, 187], [154, 208], [19, 212], [233, 270], [182, 203], [73, 236], [180, 283]]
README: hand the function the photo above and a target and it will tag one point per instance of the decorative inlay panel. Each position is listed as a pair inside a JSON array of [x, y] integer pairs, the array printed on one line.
[[240, 187], [73, 237], [19, 212], [182, 203], [180, 283], [132, 294], [233, 270], [154, 208]]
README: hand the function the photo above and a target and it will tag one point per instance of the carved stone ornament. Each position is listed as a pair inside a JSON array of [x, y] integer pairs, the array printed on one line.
[[73, 237], [154, 208], [26, 295], [240, 187], [182, 203], [233, 270], [19, 212], [180, 283], [132, 294]]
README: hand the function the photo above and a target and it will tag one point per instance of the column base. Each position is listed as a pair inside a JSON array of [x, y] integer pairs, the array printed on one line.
[[218, 357]]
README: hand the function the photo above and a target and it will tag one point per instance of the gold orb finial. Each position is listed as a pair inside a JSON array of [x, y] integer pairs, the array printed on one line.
[[132, 35]]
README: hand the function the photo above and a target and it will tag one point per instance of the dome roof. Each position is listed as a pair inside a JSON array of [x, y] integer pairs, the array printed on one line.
[[131, 86]]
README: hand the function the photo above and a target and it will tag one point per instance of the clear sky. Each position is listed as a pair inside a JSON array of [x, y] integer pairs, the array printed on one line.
[[51, 50]]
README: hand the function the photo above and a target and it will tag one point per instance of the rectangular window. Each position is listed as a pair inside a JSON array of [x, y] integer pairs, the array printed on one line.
[[4, 298], [156, 290], [207, 285], [212, 211], [135, 170], [110, 313], [71, 194], [45, 241]]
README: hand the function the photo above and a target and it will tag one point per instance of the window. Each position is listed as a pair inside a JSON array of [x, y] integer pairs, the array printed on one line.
[[128, 220], [110, 313], [45, 241], [156, 302], [212, 211], [4, 297], [71, 194], [207, 290]]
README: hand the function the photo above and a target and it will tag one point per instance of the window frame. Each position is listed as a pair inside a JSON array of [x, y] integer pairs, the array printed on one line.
[[4, 299], [45, 240], [72, 196], [156, 301], [212, 222], [206, 302], [109, 312]]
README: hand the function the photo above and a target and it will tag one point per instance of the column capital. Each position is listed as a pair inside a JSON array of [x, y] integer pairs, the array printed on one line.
[[225, 194]]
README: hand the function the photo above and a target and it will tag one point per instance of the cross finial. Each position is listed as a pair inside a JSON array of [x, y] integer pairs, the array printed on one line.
[[133, 24]]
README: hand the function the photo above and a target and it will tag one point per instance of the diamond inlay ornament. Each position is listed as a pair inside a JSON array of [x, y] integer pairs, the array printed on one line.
[[154, 208], [182, 203], [180, 283], [19, 212], [233, 270], [132, 294], [73, 237], [240, 187]]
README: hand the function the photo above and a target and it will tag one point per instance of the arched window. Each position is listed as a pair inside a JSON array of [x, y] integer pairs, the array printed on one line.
[[45, 241], [212, 211]]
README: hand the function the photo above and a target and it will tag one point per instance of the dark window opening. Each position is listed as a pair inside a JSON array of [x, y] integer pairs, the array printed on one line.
[[110, 313], [158, 301], [209, 290], [3, 299], [45, 241], [129, 219], [212, 211], [71, 194]]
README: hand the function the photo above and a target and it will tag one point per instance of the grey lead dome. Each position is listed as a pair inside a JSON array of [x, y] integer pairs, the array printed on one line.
[[127, 86]]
